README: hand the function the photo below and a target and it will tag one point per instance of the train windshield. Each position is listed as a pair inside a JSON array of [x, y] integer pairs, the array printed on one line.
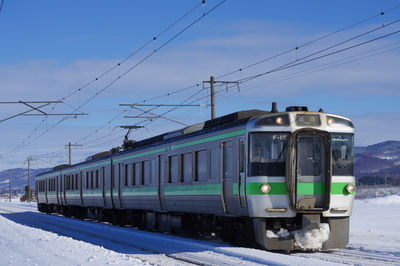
[[267, 153], [342, 154]]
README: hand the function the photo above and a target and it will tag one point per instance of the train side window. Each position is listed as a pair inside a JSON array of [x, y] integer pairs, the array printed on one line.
[[214, 164], [97, 178], [187, 167], [146, 172], [173, 169], [227, 160], [119, 173], [76, 182], [87, 180], [81, 180], [242, 155], [72, 182], [201, 165], [113, 176], [91, 179], [138, 170], [102, 176], [126, 174], [133, 174], [153, 172]]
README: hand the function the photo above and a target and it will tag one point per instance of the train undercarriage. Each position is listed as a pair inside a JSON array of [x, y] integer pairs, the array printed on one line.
[[240, 231]]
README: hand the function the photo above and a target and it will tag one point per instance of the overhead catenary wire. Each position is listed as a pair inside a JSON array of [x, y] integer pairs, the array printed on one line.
[[1, 5], [135, 65], [293, 65], [299, 62], [382, 13], [322, 67], [309, 42]]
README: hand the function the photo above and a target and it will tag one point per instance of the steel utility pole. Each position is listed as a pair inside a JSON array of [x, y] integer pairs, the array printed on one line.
[[212, 94], [29, 178], [69, 150], [9, 183], [212, 82]]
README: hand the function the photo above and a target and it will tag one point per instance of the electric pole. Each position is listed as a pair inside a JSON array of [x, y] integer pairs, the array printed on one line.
[[69, 150], [9, 183], [212, 81], [29, 159], [212, 94]]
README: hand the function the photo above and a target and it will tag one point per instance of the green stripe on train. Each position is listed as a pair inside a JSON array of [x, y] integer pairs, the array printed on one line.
[[141, 154], [312, 188], [213, 138], [143, 191], [191, 190]]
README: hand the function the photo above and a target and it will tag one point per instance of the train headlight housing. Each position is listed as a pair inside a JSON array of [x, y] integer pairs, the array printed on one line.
[[265, 188], [350, 188]]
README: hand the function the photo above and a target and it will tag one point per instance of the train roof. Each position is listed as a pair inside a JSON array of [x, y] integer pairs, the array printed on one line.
[[219, 123]]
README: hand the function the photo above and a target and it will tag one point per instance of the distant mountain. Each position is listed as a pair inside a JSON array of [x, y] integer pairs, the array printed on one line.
[[375, 162], [19, 178]]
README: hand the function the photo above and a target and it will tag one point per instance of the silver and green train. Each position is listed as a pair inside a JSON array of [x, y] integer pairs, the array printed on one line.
[[245, 177]]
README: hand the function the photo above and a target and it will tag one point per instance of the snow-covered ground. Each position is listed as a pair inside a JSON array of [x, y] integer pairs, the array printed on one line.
[[31, 238]]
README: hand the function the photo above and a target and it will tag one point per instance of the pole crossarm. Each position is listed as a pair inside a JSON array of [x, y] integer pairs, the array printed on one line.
[[160, 105], [212, 82], [158, 116], [141, 116], [36, 108], [69, 145], [74, 114]]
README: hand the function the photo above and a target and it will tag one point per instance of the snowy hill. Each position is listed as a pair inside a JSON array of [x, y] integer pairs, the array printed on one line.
[[374, 162]]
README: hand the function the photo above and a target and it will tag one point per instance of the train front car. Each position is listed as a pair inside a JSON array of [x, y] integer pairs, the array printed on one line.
[[300, 184]]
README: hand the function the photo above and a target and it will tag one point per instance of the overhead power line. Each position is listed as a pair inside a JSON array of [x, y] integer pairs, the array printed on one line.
[[293, 64], [296, 48], [1, 5], [382, 13], [135, 65]]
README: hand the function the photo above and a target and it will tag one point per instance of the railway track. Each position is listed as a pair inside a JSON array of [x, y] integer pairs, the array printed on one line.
[[356, 256], [149, 246], [136, 243]]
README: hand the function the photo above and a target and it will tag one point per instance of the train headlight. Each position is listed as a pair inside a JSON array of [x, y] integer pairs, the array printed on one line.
[[280, 120], [265, 188], [330, 121], [350, 188]]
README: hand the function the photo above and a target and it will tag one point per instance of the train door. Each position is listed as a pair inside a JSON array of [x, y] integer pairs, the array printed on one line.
[[103, 186], [64, 190], [312, 171], [45, 189], [112, 183], [57, 190], [227, 176], [81, 188], [161, 161], [242, 173], [61, 187], [117, 197]]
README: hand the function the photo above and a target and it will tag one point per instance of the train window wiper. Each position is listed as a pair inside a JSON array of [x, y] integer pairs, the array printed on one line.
[[283, 149], [339, 165]]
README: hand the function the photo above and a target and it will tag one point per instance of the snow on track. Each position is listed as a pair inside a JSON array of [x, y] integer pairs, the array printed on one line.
[[374, 234], [32, 238], [122, 245]]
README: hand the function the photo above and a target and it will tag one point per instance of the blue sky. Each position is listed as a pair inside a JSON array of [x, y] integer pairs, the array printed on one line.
[[50, 48]]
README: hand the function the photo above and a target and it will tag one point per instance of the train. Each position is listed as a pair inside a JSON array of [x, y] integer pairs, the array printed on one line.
[[254, 178]]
